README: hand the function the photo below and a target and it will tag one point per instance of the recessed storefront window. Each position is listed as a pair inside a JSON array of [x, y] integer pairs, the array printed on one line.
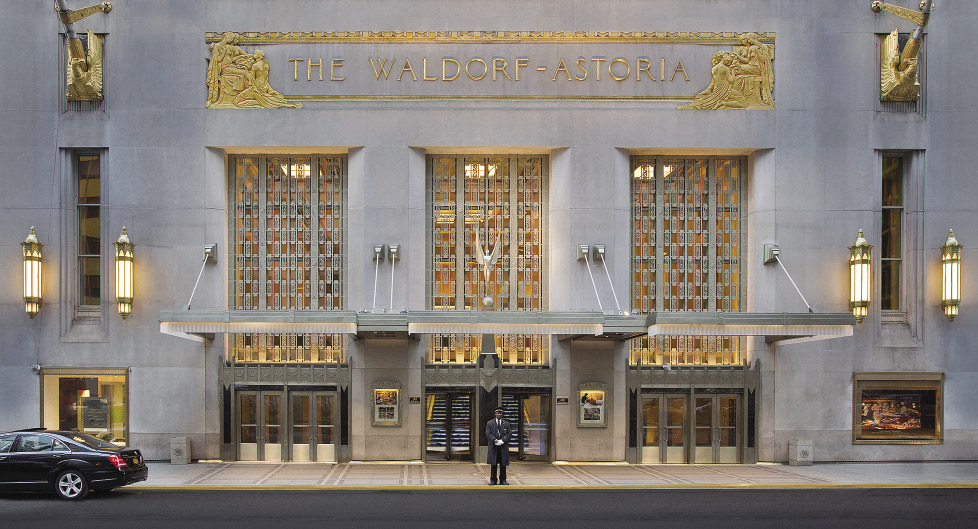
[[898, 408], [93, 401], [687, 239]]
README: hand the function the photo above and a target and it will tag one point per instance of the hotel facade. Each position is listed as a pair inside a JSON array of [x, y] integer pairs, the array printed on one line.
[[653, 232]]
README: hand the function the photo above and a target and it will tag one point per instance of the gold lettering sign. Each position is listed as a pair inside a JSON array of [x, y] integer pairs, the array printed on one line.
[[488, 65]]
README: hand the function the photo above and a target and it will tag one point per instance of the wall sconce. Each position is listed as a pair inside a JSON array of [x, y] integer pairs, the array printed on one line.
[[860, 283], [123, 273], [32, 274], [951, 264]]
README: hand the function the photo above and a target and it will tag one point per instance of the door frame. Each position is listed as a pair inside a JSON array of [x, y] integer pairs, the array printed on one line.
[[690, 428], [663, 449], [260, 421], [717, 455], [451, 393], [520, 395], [285, 392], [315, 446]]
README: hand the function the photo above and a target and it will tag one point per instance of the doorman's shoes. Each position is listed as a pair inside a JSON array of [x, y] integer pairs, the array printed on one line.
[[503, 483]]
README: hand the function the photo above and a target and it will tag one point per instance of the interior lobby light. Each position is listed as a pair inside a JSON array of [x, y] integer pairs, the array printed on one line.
[[860, 283], [951, 265], [32, 273], [123, 273]]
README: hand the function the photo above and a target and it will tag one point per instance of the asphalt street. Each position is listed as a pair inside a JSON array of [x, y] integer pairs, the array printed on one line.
[[500, 507]]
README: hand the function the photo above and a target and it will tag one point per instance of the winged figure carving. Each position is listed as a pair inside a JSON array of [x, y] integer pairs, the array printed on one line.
[[85, 70], [898, 68], [898, 78], [486, 260]]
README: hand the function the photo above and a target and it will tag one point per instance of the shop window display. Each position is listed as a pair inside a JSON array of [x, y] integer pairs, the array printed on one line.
[[902, 408], [89, 402]]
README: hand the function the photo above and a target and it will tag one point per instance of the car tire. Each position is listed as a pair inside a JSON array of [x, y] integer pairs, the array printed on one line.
[[71, 485]]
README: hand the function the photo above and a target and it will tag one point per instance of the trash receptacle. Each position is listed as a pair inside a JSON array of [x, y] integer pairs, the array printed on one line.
[[180, 450], [800, 452]]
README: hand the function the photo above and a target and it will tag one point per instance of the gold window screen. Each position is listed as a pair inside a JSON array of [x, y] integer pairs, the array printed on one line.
[[502, 198], [687, 230], [287, 250]]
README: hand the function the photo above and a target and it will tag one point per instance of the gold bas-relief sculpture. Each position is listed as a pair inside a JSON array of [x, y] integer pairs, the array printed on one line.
[[898, 70], [236, 79], [739, 79], [84, 68]]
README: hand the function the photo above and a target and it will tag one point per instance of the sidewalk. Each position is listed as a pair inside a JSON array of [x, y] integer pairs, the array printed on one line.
[[401, 475]]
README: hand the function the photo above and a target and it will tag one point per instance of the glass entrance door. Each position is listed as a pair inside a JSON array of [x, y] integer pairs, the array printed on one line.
[[259, 426], [664, 428], [311, 418], [531, 414], [716, 429], [448, 426]]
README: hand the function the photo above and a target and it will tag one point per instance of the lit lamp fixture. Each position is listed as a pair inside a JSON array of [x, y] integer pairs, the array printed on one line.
[[32, 274], [860, 284], [123, 273], [951, 264]]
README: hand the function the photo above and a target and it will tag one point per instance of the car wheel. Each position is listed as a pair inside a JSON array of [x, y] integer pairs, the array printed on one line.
[[71, 485]]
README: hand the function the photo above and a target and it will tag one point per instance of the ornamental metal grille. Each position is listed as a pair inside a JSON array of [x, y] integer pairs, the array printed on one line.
[[500, 199], [687, 233], [286, 250]]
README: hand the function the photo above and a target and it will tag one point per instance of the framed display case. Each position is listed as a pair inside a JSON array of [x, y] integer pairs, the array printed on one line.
[[898, 408], [386, 398], [592, 411]]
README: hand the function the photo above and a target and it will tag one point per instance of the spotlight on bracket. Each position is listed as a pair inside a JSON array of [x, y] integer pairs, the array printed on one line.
[[582, 251]]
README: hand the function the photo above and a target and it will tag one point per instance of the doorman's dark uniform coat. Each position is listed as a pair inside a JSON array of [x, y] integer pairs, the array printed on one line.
[[498, 454]]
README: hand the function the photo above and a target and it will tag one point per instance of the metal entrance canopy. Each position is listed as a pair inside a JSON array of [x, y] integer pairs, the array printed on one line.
[[774, 327]]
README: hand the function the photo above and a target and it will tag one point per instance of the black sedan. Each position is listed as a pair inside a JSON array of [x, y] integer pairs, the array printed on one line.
[[69, 463]]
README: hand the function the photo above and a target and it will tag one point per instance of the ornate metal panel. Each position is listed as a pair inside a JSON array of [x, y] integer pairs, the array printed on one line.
[[687, 233], [644, 240], [451, 375], [684, 377], [527, 376], [727, 224], [496, 201], [287, 242], [318, 374], [443, 286]]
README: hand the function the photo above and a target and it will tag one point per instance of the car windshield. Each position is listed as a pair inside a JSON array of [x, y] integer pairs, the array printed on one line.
[[90, 441]]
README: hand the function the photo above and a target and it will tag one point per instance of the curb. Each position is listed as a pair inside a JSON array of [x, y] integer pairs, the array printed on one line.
[[712, 486]]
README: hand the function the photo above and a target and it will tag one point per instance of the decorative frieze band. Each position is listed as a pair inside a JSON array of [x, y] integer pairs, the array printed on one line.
[[714, 37]]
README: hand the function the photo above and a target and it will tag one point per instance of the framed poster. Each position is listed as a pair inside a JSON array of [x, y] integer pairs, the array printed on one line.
[[898, 408], [386, 399], [592, 411]]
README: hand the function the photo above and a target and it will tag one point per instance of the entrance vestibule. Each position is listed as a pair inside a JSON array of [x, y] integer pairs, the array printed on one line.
[[691, 428], [280, 425]]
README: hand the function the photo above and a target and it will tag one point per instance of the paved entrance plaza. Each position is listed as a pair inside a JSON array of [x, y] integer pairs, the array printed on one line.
[[586, 475]]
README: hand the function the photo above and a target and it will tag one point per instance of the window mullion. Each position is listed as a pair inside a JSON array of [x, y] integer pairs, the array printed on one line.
[[460, 232], [315, 170], [262, 242], [659, 233], [712, 233], [513, 234]]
